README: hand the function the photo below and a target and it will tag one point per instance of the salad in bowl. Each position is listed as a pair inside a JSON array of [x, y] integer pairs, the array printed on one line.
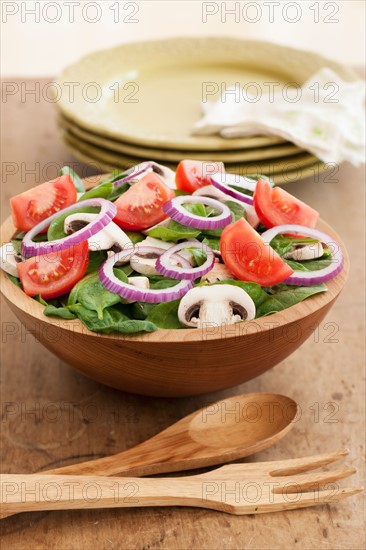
[[152, 249]]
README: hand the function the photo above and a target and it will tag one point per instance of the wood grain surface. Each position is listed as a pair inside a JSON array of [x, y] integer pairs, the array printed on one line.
[[53, 416]]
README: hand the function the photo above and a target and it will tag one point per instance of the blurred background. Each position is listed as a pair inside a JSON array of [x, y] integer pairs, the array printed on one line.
[[41, 38]]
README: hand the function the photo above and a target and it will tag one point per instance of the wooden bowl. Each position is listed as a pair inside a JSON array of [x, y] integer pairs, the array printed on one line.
[[175, 363]]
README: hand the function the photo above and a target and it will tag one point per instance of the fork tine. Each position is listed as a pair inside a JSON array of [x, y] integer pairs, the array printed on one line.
[[314, 498], [279, 502], [303, 482], [299, 465]]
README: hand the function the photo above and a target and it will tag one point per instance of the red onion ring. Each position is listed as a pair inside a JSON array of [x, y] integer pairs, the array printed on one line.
[[133, 173], [300, 278], [217, 181], [164, 266], [175, 209], [133, 293], [107, 212]]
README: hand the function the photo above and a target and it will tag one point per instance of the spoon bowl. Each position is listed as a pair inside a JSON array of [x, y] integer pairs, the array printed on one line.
[[242, 422]]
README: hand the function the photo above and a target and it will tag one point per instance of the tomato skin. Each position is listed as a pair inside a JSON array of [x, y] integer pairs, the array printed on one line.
[[193, 174], [275, 206], [54, 274], [37, 204], [142, 205], [249, 258]]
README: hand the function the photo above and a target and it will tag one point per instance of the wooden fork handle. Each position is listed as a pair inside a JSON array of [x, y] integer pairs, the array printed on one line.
[[26, 493], [34, 492], [127, 463]]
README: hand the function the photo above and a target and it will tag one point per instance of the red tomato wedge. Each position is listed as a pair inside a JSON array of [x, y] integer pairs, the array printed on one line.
[[249, 258], [142, 205], [37, 204], [193, 174], [274, 206], [54, 274]]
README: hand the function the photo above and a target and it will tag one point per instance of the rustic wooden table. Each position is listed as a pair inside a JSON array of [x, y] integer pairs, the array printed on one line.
[[51, 415]]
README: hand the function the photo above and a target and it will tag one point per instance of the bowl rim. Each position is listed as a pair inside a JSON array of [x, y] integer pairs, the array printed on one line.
[[15, 296]]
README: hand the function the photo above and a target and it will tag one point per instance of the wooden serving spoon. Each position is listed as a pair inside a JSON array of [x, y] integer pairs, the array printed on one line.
[[229, 429]]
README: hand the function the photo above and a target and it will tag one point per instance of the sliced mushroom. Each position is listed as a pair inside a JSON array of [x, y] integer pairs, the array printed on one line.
[[215, 305], [144, 263], [139, 282], [219, 272], [302, 252], [9, 258], [214, 193], [110, 238], [158, 243]]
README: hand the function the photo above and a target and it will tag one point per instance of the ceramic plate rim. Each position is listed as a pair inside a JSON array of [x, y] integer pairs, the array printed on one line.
[[199, 143]]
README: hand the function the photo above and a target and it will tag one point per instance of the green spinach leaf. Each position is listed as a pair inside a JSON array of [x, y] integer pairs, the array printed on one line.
[[103, 190], [173, 232], [198, 254], [74, 294], [158, 281], [283, 244], [94, 296], [15, 280], [79, 186], [196, 209], [17, 245], [63, 312], [119, 190], [140, 310], [135, 236], [284, 296], [309, 265], [113, 320], [127, 270], [165, 315], [37, 239], [96, 259], [242, 190], [256, 177], [255, 291], [237, 212], [39, 299], [212, 242], [116, 175]]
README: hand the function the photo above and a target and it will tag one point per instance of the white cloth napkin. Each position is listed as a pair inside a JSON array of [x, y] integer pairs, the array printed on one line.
[[328, 119]]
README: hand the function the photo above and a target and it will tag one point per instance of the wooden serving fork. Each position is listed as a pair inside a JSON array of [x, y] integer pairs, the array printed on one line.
[[250, 488]]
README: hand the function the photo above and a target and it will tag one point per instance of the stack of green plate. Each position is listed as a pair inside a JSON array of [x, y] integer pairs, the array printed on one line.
[[139, 102]]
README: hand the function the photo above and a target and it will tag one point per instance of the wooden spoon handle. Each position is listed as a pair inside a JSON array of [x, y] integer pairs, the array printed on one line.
[[34, 492], [127, 463]]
